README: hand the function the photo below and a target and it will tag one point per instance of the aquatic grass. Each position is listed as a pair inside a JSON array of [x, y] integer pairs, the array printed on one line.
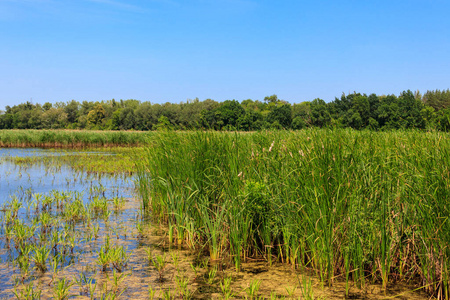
[[210, 276], [119, 258], [40, 257], [117, 280], [52, 234], [103, 259], [252, 290], [118, 203], [306, 289], [358, 205], [84, 282], [28, 293], [71, 138], [225, 287], [175, 259], [151, 293], [182, 283], [263, 203], [149, 257], [61, 289], [168, 294], [24, 264], [160, 263]]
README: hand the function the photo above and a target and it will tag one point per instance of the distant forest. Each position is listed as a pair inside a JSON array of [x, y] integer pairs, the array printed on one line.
[[358, 111]]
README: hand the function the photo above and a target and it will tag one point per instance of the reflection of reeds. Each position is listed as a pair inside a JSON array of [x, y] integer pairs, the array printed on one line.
[[356, 205]]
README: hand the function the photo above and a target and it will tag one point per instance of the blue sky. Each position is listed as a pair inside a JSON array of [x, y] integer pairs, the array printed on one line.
[[172, 50]]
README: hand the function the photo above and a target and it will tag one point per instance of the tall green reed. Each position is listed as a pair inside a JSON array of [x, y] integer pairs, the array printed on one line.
[[356, 204]]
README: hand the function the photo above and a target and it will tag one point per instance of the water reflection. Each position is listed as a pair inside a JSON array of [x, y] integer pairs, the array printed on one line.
[[35, 178]]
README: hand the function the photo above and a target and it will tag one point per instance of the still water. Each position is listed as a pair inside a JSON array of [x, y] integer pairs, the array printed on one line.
[[35, 178], [28, 183]]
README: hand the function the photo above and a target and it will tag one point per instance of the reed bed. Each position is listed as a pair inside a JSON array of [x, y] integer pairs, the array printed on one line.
[[358, 207], [95, 245], [70, 138]]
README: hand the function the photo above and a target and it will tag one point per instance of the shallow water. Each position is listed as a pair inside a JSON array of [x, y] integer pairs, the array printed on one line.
[[126, 227], [26, 180]]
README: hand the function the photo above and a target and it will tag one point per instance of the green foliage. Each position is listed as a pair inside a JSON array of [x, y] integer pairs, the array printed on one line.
[[320, 116], [96, 115], [437, 99], [355, 110], [281, 114], [298, 123], [229, 112], [256, 202], [163, 123], [361, 205], [444, 119], [70, 139]]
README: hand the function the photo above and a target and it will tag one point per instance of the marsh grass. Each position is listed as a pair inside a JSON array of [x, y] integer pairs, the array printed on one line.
[[70, 138], [351, 206]]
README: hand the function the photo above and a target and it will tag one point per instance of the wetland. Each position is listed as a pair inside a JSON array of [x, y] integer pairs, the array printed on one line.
[[192, 216]]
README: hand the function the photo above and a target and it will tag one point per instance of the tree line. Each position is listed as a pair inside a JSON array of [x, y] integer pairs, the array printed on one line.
[[356, 110]]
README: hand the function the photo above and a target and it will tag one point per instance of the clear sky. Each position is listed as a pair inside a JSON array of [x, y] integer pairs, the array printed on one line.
[[172, 50]]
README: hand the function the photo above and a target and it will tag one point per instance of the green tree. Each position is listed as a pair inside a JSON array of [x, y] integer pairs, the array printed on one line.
[[146, 116], [320, 116], [429, 116], [54, 118], [229, 112], [163, 124], [96, 115], [251, 120], [71, 109], [437, 99], [298, 123], [444, 119], [271, 99], [282, 115], [409, 111], [127, 119], [46, 106]]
